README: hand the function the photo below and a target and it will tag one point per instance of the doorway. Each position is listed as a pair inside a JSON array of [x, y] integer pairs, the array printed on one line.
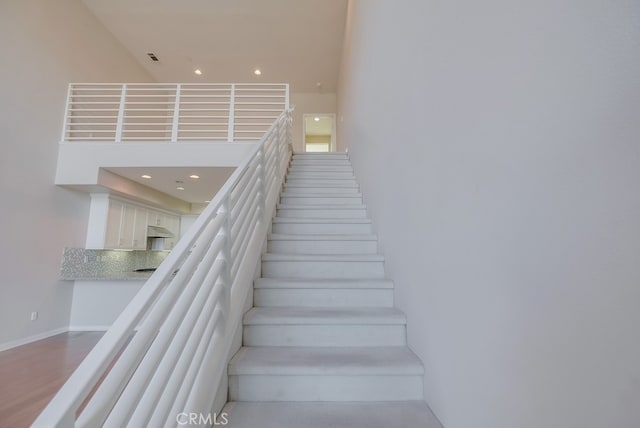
[[319, 133]]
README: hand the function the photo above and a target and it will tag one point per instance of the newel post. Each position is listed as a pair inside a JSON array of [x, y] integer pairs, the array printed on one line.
[[65, 124], [120, 122], [286, 97], [232, 108], [176, 115]]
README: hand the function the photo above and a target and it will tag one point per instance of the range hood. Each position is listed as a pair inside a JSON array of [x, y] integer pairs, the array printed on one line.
[[159, 232]]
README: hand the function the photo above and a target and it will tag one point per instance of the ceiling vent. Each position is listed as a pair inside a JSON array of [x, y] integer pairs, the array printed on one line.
[[153, 57]]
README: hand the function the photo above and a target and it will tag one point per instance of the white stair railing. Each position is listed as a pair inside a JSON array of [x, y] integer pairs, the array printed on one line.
[[121, 112], [166, 353]]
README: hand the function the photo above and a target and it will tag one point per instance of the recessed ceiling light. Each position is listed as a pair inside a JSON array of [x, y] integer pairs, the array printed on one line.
[[180, 188], [194, 176], [145, 176], [257, 72], [206, 202], [197, 71], [317, 119]]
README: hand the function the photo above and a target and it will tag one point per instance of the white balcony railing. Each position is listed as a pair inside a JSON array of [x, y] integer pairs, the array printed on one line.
[[167, 352], [172, 111]]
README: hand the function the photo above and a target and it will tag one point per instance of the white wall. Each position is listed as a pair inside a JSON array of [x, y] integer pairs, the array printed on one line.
[[497, 144], [96, 304], [45, 45], [308, 103]]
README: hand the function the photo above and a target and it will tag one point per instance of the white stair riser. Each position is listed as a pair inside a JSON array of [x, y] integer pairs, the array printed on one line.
[[322, 190], [410, 414], [320, 162], [317, 166], [325, 388], [325, 297], [322, 247], [322, 228], [320, 156], [335, 284], [310, 212], [321, 200], [320, 168], [320, 175], [321, 269], [337, 182], [324, 335]]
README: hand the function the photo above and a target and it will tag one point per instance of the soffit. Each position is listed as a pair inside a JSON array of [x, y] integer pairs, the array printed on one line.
[[168, 179]]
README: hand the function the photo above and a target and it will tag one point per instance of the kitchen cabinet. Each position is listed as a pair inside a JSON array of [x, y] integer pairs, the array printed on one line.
[[140, 229], [133, 228], [127, 226], [172, 223], [157, 218], [114, 223]]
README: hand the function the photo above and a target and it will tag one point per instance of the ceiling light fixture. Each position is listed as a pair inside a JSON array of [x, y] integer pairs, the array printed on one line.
[[206, 202], [194, 176], [145, 176], [198, 71], [317, 119], [180, 188], [257, 72]]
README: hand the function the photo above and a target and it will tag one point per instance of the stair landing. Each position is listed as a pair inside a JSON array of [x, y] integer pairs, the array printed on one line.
[[407, 414]]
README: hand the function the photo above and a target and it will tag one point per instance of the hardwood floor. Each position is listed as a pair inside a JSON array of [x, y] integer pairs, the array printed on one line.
[[30, 375]]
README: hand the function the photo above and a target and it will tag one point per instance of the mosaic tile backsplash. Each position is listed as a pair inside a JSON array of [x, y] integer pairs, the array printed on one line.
[[80, 262]]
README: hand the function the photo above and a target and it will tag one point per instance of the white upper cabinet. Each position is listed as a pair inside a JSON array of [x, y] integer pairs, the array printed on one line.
[[172, 223], [114, 224], [126, 226], [140, 229]]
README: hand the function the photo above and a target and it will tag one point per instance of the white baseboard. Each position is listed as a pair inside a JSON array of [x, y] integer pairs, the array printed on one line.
[[89, 327], [34, 338]]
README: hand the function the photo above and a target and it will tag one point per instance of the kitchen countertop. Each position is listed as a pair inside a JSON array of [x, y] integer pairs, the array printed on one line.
[[115, 276]]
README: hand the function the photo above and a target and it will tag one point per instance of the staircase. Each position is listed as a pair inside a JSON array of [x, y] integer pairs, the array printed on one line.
[[324, 346]]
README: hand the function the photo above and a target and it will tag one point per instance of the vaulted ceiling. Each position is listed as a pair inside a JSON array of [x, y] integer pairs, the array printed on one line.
[[291, 41], [295, 41]]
